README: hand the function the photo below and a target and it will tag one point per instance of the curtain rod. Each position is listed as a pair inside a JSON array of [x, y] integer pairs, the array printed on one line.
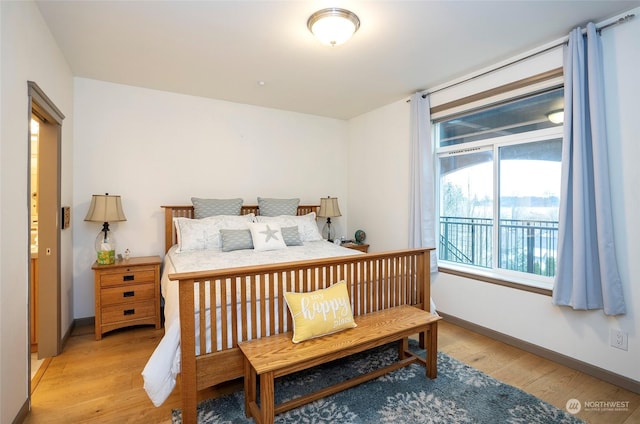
[[622, 20], [562, 41]]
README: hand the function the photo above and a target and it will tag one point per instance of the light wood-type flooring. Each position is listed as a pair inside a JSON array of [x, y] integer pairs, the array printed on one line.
[[100, 382]]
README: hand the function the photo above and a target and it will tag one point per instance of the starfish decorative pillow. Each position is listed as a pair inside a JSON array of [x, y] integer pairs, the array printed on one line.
[[266, 236]]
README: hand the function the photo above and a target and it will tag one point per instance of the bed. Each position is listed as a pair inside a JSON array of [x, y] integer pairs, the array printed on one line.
[[210, 307]]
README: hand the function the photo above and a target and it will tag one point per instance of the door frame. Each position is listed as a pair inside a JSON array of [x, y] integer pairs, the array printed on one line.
[[49, 261]]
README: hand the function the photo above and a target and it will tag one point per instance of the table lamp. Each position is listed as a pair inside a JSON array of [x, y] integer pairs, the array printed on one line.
[[328, 209], [105, 208]]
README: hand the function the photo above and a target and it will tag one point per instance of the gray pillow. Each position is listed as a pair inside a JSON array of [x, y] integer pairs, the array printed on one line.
[[211, 207], [277, 207], [235, 240], [291, 236]]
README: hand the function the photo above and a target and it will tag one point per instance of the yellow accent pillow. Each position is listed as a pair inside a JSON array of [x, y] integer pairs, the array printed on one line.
[[320, 312]]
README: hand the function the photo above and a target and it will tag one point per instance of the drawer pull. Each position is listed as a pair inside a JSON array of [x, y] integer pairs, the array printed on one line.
[[129, 311], [128, 277], [129, 293]]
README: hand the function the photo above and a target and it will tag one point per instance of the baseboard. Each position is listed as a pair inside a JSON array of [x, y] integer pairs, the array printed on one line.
[[597, 372], [80, 322], [22, 413], [66, 336]]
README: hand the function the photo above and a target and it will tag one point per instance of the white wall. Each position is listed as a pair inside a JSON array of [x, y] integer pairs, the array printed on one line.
[[157, 148], [379, 172], [376, 174], [28, 53]]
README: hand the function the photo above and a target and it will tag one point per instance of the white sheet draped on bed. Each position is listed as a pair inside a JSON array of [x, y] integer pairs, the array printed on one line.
[[163, 366]]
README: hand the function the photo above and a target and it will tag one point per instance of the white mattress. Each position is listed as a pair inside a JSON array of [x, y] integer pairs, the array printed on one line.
[[163, 366]]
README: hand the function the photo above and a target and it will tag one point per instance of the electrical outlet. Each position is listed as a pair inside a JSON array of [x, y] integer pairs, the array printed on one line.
[[619, 339]]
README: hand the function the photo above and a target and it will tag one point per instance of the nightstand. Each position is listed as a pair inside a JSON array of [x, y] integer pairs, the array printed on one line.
[[361, 247], [127, 293]]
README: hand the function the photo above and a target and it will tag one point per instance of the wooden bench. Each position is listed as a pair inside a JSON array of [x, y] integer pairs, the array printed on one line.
[[277, 356]]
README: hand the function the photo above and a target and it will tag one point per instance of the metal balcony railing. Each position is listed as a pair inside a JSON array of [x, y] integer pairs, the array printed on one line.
[[523, 245]]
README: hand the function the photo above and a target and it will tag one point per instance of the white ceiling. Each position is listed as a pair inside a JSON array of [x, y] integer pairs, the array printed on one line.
[[222, 49]]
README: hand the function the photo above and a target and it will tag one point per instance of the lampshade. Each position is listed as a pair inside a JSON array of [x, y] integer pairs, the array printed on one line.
[[556, 116], [333, 26], [329, 207], [105, 208]]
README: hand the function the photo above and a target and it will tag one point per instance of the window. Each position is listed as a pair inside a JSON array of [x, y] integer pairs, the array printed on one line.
[[499, 188]]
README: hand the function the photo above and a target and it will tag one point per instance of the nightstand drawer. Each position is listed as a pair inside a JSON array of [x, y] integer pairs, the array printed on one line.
[[127, 294], [137, 275], [128, 312]]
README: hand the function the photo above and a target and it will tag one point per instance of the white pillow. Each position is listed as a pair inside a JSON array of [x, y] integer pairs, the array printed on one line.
[[266, 236], [204, 234], [307, 226]]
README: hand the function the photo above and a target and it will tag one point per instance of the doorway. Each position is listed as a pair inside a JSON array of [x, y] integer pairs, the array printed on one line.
[[33, 230], [44, 187]]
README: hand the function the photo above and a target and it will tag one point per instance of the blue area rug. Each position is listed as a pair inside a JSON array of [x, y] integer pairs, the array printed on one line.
[[460, 394]]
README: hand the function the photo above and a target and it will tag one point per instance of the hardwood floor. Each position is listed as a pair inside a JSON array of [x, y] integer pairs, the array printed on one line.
[[540, 377], [100, 381]]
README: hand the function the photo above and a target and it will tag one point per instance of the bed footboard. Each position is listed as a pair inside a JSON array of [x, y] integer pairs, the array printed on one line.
[[236, 304]]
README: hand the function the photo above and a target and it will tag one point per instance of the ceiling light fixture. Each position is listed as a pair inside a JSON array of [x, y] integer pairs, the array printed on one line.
[[556, 116], [333, 26]]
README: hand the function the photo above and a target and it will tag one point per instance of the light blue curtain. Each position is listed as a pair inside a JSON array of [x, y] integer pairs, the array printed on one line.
[[422, 212], [587, 275]]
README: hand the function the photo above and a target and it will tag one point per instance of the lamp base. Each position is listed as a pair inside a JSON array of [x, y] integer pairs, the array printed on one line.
[[328, 231], [106, 257], [105, 246]]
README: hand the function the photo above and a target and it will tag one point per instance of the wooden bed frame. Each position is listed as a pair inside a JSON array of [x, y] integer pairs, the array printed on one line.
[[376, 281]]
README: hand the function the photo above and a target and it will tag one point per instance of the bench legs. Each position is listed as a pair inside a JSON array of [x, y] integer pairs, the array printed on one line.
[[249, 387], [266, 412], [267, 401], [431, 337]]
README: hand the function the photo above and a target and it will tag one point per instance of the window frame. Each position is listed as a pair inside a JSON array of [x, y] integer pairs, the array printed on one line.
[[514, 279]]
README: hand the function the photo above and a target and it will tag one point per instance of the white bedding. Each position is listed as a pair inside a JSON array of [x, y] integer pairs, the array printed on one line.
[[163, 366]]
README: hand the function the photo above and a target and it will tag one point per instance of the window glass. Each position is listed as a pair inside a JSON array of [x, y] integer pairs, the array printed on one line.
[[499, 186], [529, 201], [466, 208], [513, 117]]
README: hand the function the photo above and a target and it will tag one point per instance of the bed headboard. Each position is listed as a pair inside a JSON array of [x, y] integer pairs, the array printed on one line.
[[171, 212]]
